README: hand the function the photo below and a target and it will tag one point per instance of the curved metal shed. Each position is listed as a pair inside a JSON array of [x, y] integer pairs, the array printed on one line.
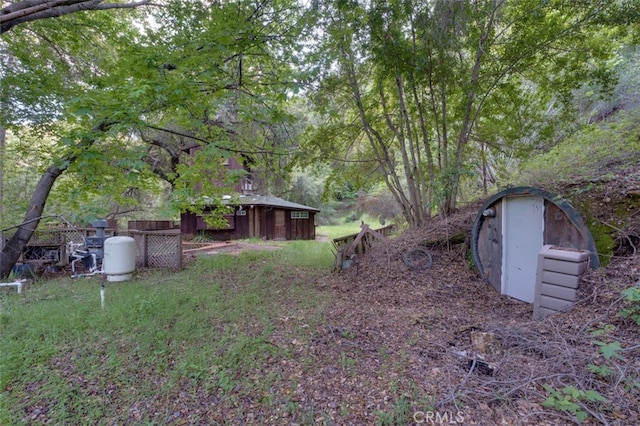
[[512, 227]]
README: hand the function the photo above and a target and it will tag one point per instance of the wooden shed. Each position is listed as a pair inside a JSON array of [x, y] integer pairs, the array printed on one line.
[[510, 230], [257, 216]]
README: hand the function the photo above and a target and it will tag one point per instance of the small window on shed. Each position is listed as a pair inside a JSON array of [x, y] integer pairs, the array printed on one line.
[[241, 212], [299, 215]]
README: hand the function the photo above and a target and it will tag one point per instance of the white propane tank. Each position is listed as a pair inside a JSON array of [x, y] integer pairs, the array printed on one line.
[[119, 258]]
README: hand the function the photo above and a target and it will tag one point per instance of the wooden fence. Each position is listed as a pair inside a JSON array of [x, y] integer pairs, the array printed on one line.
[[348, 247], [49, 245], [152, 225], [154, 249]]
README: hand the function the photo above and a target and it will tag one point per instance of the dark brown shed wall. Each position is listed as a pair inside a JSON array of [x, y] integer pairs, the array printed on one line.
[[258, 222], [188, 223]]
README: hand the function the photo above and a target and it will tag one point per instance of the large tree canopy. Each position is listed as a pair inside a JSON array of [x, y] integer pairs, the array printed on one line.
[[126, 102], [425, 96], [432, 91]]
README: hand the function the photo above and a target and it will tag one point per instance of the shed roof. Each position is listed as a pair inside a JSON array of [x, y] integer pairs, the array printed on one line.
[[267, 200]]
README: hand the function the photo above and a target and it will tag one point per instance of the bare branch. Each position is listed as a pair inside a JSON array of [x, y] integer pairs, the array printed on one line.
[[32, 10]]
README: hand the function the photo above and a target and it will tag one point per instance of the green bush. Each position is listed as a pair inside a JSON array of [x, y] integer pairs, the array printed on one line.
[[632, 308]]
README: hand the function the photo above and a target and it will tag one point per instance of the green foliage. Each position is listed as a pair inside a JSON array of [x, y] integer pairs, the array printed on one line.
[[18, 180], [185, 76], [609, 349], [597, 151], [603, 238], [589, 99], [571, 400], [582, 403], [49, 63], [307, 187], [605, 330], [597, 154], [399, 415], [602, 371], [632, 308], [423, 89], [380, 204], [225, 75]]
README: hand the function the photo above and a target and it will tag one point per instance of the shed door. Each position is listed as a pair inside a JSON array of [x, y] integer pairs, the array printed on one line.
[[280, 226], [257, 222], [522, 239]]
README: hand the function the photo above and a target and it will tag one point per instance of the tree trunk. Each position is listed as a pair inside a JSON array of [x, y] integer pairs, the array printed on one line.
[[13, 248], [20, 12], [470, 114]]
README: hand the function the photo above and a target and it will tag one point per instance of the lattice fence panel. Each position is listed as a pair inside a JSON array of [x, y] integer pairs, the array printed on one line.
[[78, 234], [46, 238], [158, 250]]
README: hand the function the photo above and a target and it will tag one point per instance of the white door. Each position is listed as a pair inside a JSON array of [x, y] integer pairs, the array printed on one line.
[[522, 239]]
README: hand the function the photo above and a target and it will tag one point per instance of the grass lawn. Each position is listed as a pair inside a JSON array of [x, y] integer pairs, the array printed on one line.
[[346, 228], [185, 348]]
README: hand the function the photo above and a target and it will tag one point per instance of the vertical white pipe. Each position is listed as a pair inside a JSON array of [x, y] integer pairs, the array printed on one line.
[[102, 296]]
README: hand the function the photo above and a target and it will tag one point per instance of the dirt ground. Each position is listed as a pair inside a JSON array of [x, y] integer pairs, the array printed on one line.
[[395, 347], [228, 247], [390, 327]]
